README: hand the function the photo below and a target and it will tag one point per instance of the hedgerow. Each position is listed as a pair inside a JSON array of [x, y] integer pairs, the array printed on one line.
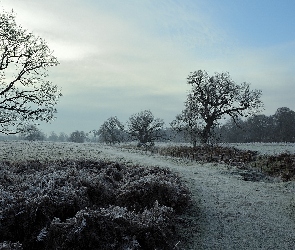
[[256, 167], [281, 165], [88, 205]]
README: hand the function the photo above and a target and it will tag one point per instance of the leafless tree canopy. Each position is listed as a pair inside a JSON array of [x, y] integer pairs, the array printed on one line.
[[32, 133], [111, 131], [144, 127], [78, 136], [213, 97], [25, 93], [188, 125]]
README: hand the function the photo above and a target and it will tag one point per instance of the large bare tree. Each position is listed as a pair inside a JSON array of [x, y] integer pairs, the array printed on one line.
[[213, 97], [25, 93]]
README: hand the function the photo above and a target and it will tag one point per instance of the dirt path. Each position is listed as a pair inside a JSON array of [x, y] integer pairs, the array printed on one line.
[[230, 213]]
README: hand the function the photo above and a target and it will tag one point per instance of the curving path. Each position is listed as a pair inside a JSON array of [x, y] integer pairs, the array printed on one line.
[[229, 213]]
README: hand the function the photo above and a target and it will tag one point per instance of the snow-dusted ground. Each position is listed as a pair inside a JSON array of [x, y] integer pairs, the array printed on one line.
[[267, 148], [232, 213], [260, 147], [228, 213]]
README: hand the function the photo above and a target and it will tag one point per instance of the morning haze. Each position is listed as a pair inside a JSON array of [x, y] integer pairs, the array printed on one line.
[[118, 58]]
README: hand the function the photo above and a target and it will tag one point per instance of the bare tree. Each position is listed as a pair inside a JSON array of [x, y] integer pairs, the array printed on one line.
[[284, 125], [53, 136], [213, 97], [111, 131], [32, 133], [78, 136], [25, 93], [63, 137], [145, 128], [187, 124]]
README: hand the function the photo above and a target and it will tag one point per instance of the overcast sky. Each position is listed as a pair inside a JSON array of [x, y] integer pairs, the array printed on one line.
[[121, 57]]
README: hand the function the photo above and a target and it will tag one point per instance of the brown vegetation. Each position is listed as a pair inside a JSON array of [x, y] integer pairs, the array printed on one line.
[[88, 205], [282, 165], [257, 166]]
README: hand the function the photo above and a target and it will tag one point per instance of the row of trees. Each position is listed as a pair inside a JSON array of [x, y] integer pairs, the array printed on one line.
[[279, 127], [146, 129], [142, 126], [210, 99], [33, 133]]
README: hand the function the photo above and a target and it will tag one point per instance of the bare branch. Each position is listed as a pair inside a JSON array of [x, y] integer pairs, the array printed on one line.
[[25, 94], [213, 97]]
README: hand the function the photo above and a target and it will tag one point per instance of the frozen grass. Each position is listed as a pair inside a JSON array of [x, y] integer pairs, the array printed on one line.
[[53, 197], [266, 148], [252, 165], [261, 148], [13, 151], [228, 212]]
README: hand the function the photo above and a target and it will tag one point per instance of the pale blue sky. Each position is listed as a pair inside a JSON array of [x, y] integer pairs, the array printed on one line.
[[120, 57]]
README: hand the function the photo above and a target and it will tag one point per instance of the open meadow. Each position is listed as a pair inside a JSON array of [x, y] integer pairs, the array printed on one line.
[[95, 196]]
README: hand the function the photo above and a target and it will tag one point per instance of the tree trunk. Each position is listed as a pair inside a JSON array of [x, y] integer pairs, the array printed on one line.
[[206, 132]]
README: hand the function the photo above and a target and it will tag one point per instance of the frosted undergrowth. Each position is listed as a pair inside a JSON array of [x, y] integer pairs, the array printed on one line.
[[266, 148], [229, 213], [85, 204]]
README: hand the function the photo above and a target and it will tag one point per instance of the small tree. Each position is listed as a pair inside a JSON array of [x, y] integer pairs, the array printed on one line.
[[63, 137], [185, 123], [145, 128], [111, 131], [53, 136], [284, 125], [32, 133], [213, 97], [25, 94], [77, 136]]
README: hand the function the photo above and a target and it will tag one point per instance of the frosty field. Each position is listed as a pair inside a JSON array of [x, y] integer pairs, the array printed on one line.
[[267, 148], [261, 148], [24, 150], [227, 212]]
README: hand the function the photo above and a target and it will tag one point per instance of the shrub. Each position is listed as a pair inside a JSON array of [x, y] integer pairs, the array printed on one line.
[[88, 205], [282, 165]]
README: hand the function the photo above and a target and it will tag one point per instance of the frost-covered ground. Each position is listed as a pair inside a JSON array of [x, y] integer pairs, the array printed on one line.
[[261, 148], [229, 213], [266, 148]]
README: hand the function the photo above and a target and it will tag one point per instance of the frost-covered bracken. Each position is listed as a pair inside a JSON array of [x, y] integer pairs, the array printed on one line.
[[87, 204]]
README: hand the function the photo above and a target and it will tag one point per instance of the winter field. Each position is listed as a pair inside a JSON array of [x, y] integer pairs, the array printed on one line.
[[227, 212], [24, 150], [261, 148], [266, 148]]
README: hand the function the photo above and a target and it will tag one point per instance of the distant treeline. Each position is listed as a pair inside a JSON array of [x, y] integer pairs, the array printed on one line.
[[279, 127]]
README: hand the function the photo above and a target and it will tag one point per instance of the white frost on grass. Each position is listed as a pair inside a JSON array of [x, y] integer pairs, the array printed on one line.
[[232, 213], [266, 148]]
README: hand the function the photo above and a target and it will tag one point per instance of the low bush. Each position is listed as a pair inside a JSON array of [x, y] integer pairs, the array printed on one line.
[[282, 165], [260, 166], [206, 153], [88, 205]]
